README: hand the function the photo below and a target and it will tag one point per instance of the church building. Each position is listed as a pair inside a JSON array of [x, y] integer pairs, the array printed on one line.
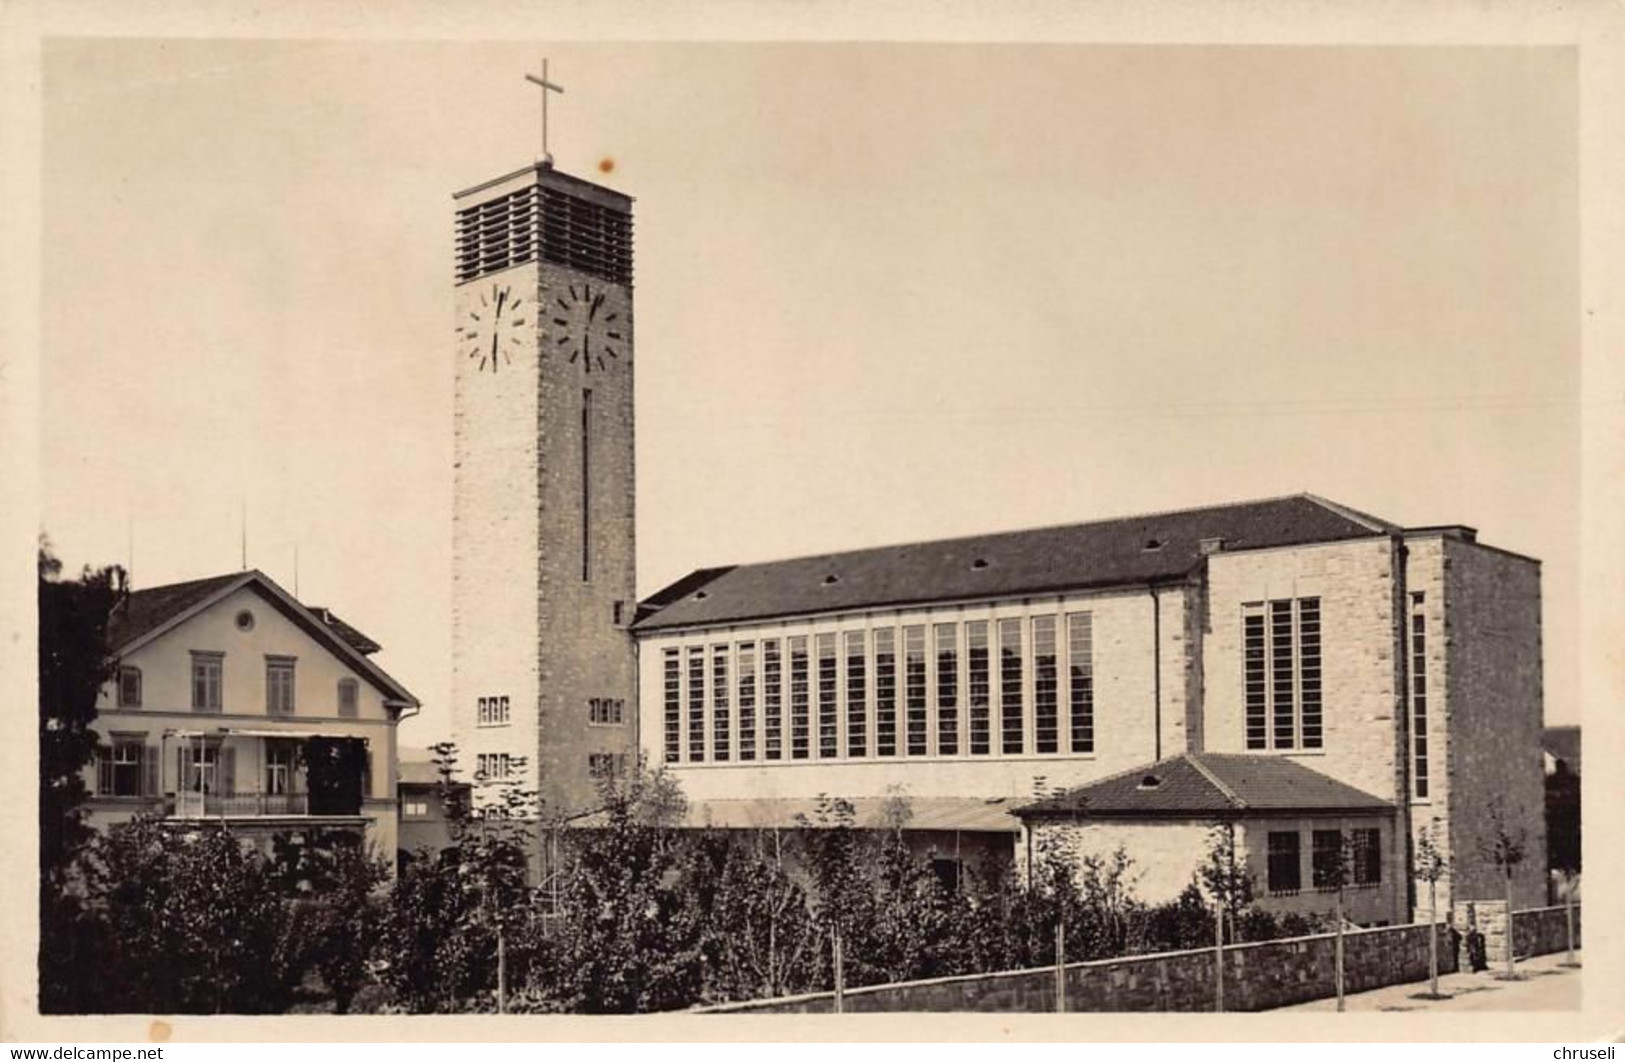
[[1291, 667]]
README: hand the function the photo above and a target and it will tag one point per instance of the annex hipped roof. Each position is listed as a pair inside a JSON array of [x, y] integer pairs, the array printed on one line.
[[1209, 784], [1156, 546]]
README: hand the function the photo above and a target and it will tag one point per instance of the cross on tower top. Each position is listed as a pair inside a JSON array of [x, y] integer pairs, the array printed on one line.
[[546, 86]]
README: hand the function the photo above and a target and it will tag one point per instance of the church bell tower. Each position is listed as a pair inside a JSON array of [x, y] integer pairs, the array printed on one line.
[[543, 578]]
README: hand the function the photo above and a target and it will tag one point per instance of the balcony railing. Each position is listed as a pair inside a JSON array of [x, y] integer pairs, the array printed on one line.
[[239, 805]]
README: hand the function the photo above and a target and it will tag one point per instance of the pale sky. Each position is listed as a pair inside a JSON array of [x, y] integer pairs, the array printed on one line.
[[884, 293]]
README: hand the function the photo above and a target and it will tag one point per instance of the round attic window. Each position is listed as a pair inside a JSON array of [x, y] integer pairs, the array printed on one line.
[[245, 620]]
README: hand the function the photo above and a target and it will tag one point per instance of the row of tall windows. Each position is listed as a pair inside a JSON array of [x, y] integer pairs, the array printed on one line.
[[915, 690], [208, 686], [1419, 696], [1354, 861], [1281, 673]]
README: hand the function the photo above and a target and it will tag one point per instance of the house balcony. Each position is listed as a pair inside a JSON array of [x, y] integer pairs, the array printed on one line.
[[236, 805]]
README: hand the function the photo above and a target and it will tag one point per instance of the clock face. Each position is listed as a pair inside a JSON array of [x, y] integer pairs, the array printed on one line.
[[493, 328], [589, 332]]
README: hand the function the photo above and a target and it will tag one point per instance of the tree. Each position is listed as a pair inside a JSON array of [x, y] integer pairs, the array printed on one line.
[[344, 917], [1229, 887], [1431, 866], [74, 665], [193, 923], [1504, 847], [1333, 869], [626, 936]]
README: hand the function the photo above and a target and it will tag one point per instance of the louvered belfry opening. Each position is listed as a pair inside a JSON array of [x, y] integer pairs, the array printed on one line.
[[546, 223]]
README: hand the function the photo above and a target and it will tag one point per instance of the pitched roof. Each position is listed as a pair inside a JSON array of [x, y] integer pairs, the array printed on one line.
[[1134, 549], [1563, 743], [354, 638], [144, 614], [1224, 785], [144, 611]]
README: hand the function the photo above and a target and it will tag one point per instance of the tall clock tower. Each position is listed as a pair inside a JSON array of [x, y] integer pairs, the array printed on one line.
[[543, 578]]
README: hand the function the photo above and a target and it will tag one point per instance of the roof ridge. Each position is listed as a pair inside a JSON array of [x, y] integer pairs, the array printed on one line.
[[1207, 772], [1354, 516], [1375, 523], [1138, 769]]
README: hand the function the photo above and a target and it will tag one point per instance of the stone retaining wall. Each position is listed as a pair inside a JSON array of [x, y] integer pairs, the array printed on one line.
[[1257, 977]]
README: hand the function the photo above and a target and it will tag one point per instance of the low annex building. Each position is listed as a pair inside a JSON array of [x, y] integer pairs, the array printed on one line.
[[1295, 828], [1400, 664], [234, 704]]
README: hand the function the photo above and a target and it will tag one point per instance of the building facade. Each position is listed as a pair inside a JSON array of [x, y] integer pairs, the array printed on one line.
[[544, 576], [1401, 663], [234, 704]]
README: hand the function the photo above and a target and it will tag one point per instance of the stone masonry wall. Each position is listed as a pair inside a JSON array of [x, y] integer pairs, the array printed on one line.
[[1537, 931], [582, 652], [1493, 718], [1257, 977]]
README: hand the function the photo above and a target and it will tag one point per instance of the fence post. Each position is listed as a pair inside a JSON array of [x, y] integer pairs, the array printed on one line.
[[1433, 939], [1337, 973], [840, 972], [1060, 965], [1218, 955], [1568, 916]]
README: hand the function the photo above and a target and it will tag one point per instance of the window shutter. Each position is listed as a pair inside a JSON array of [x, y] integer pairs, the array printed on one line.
[[104, 770], [180, 768], [228, 771]]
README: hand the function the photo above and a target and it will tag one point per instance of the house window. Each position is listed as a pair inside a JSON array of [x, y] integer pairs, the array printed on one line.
[[1285, 875], [279, 768], [206, 677], [121, 770], [885, 692], [200, 768], [799, 703], [914, 688], [976, 656], [279, 685], [606, 711], [947, 638], [1367, 856], [829, 705], [857, 695], [1081, 680], [772, 708], [722, 734], [673, 678], [414, 809], [129, 687], [494, 767], [492, 711], [1419, 698], [1010, 706], [1326, 858], [1281, 674], [349, 698], [696, 704], [605, 766], [1046, 724], [747, 700]]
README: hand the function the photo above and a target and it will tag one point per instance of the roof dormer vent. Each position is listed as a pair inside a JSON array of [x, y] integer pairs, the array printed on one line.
[[1150, 781], [831, 579], [701, 595], [1151, 545], [979, 563]]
